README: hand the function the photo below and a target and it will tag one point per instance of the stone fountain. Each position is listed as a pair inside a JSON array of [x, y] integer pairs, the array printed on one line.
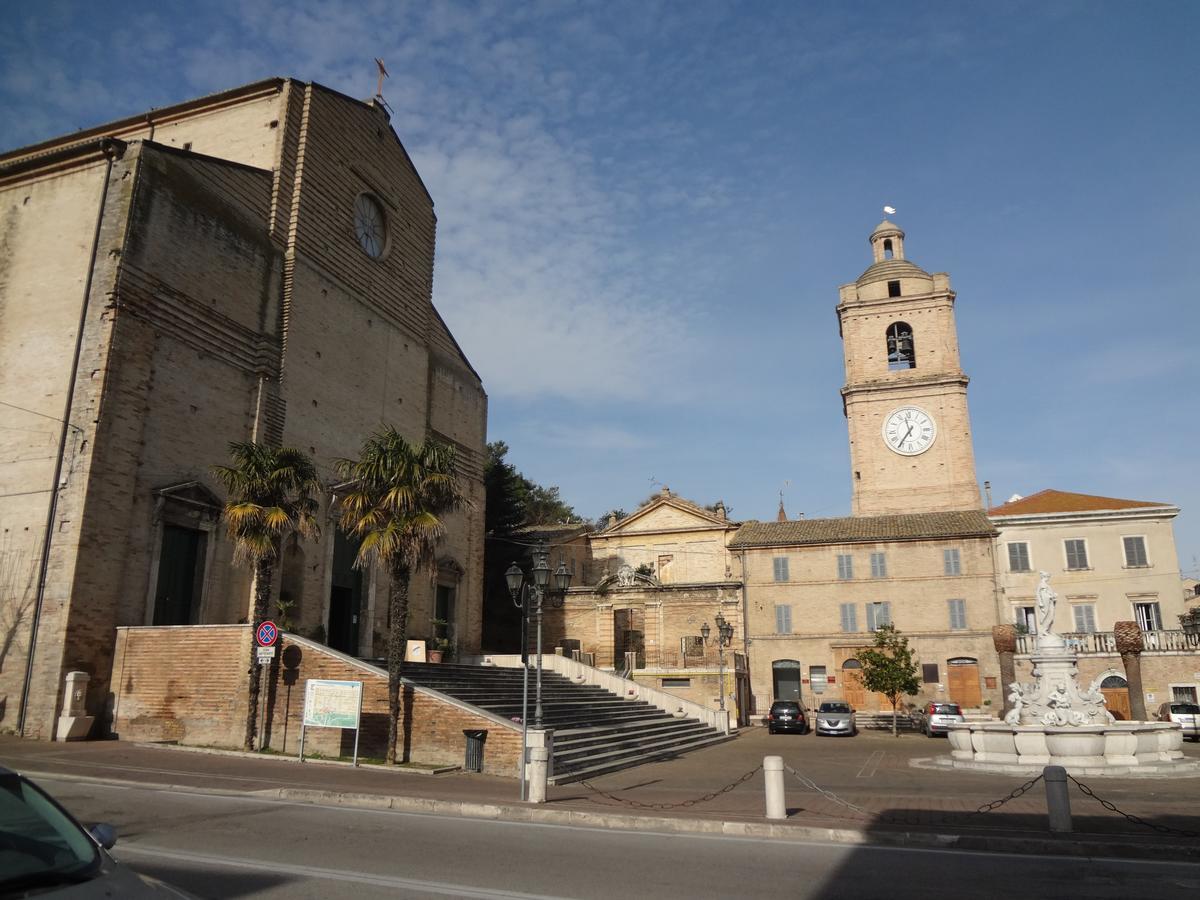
[[1053, 721]]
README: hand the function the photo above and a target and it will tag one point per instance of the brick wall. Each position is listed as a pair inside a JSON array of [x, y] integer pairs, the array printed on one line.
[[187, 684]]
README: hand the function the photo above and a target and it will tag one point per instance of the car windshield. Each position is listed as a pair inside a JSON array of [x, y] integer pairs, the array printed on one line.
[[945, 709], [39, 844], [835, 707], [1186, 708]]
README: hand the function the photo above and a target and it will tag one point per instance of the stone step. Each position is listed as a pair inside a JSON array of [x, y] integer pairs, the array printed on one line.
[[616, 765]]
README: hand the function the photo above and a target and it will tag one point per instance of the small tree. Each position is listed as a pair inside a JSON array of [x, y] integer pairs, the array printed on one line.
[[271, 494], [398, 494], [888, 668]]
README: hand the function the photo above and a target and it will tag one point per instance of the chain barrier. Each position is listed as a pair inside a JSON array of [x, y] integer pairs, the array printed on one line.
[[1136, 820], [638, 804], [903, 820]]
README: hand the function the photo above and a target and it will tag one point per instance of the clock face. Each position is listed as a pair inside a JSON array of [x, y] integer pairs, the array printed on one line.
[[909, 430]]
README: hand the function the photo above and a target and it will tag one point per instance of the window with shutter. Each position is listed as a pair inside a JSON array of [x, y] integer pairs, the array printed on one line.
[[929, 673], [878, 615], [783, 620], [1135, 551], [958, 614], [781, 568], [845, 566], [952, 561], [1076, 554], [878, 565], [1018, 557], [849, 617], [1085, 617], [1149, 616]]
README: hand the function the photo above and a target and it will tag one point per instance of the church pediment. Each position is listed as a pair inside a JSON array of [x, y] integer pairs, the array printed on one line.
[[667, 514], [192, 493]]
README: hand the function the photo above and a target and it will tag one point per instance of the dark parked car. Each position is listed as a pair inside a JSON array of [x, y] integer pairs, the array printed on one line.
[[787, 715], [45, 852], [936, 718]]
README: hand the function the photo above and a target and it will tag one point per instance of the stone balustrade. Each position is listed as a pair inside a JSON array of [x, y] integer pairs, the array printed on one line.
[[1104, 642]]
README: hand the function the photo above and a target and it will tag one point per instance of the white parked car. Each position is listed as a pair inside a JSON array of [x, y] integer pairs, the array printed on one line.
[[1182, 713], [833, 717]]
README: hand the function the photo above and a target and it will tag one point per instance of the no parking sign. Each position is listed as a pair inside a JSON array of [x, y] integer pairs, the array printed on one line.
[[266, 634]]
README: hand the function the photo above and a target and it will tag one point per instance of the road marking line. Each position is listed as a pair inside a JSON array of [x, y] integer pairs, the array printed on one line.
[[872, 763], [433, 887]]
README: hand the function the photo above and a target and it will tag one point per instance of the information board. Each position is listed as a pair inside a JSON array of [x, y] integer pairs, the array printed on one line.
[[332, 704]]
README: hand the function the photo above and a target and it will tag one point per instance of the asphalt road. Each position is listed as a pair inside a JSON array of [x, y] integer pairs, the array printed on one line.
[[222, 846]]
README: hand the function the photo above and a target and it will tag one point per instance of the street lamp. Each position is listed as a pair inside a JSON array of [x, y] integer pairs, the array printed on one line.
[[724, 639], [530, 599]]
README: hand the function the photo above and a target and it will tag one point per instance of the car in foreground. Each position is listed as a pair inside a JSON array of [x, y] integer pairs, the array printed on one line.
[[1184, 714], [835, 717], [44, 852], [787, 716], [934, 718]]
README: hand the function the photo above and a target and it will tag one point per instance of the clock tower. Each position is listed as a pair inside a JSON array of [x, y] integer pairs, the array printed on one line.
[[905, 397]]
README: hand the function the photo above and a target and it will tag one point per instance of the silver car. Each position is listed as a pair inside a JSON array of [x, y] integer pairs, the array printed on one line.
[[44, 852], [1182, 713], [835, 717]]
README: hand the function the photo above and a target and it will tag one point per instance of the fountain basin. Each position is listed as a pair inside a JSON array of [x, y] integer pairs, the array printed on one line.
[[1120, 748]]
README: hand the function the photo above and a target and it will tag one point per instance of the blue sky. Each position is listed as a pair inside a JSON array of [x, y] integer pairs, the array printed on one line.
[[645, 211]]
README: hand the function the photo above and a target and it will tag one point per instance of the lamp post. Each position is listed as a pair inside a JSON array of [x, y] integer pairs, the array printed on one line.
[[530, 598], [724, 639]]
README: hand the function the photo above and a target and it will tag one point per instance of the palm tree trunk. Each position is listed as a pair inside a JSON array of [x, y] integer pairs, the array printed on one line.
[[397, 635], [263, 571]]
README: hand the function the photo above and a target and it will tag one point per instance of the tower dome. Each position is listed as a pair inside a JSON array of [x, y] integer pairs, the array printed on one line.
[[887, 247]]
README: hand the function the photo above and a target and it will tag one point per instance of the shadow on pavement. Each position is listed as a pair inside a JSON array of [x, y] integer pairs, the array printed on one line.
[[205, 881]]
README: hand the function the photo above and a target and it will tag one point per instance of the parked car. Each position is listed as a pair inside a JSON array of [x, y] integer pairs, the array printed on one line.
[[935, 718], [834, 717], [44, 852], [787, 715], [1186, 714]]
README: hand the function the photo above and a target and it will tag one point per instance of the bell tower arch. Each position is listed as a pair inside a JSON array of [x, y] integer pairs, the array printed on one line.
[[905, 396]]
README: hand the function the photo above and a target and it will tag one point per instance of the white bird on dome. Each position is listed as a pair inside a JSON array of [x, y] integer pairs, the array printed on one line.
[[889, 210]]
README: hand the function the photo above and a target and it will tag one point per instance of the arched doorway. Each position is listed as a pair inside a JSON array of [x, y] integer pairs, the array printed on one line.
[[962, 675], [852, 687], [785, 679], [1116, 696]]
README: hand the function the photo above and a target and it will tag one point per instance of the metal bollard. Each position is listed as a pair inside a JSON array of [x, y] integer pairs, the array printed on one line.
[[1058, 801], [539, 766], [773, 775]]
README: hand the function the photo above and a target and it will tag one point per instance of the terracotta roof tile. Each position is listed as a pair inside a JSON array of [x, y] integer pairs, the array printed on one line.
[[1052, 501], [864, 529]]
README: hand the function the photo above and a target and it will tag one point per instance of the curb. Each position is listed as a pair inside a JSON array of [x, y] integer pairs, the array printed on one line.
[[1066, 845], [405, 769]]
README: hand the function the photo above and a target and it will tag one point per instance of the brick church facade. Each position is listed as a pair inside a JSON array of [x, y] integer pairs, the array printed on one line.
[[252, 265]]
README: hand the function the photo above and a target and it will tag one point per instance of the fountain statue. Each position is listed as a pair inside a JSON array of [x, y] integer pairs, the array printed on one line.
[[1055, 697], [1053, 721]]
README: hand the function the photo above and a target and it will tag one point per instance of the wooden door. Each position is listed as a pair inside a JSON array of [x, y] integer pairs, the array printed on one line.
[[964, 684], [853, 690], [1117, 701]]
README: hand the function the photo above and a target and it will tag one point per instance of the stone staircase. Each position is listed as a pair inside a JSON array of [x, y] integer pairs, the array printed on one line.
[[595, 731]]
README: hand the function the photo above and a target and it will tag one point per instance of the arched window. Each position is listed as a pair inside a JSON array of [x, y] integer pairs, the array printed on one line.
[[901, 350], [852, 664], [1114, 682], [887, 248]]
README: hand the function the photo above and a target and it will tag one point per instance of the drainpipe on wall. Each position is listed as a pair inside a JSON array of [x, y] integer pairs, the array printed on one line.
[[112, 149]]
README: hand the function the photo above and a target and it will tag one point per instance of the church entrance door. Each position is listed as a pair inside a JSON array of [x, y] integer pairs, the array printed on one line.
[[1116, 697], [852, 686]]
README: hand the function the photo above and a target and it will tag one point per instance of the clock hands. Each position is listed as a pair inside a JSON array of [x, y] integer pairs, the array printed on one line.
[[900, 442]]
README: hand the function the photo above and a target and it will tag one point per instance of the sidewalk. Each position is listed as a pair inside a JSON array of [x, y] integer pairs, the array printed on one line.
[[896, 803]]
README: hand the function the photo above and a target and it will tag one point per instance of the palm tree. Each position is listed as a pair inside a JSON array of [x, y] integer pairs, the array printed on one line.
[[271, 494], [397, 495]]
